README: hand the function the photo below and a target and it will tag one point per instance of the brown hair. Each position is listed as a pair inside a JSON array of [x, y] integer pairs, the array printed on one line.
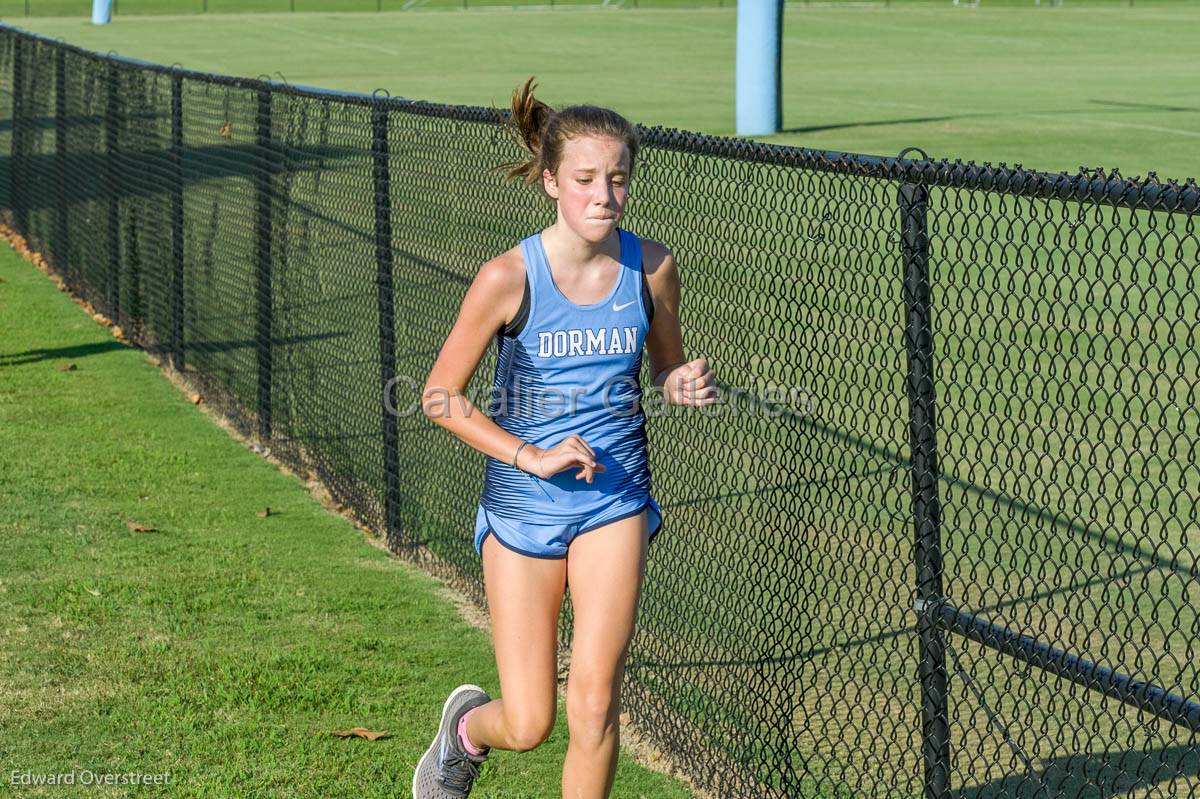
[[542, 132]]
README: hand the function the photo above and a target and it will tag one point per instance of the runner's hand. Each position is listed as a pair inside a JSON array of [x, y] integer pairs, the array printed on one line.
[[570, 452], [690, 383]]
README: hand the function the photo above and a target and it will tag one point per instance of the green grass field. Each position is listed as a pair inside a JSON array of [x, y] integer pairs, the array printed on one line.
[[801, 531], [125, 8], [1021, 85]]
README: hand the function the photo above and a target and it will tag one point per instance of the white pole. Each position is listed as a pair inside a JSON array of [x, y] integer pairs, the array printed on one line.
[[101, 12], [759, 50]]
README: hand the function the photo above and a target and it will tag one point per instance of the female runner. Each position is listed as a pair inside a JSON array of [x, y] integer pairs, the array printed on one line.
[[570, 309]]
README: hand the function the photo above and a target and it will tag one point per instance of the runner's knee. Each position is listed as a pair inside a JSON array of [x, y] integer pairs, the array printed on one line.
[[592, 710], [528, 728]]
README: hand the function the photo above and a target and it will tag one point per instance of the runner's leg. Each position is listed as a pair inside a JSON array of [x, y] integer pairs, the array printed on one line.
[[524, 599], [605, 567]]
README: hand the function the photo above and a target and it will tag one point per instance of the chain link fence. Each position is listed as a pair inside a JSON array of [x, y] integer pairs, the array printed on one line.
[[938, 539]]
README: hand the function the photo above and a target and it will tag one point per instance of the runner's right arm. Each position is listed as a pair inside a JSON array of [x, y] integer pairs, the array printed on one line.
[[491, 302]]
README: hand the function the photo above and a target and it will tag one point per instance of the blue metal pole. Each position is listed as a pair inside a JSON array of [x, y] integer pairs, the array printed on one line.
[[759, 50], [101, 12]]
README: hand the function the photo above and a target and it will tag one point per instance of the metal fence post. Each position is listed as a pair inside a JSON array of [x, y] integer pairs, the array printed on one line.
[[16, 175], [918, 343], [387, 328], [263, 248], [112, 150], [133, 309], [60, 249], [177, 359]]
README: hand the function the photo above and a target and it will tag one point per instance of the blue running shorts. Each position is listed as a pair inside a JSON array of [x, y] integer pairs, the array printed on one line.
[[551, 540]]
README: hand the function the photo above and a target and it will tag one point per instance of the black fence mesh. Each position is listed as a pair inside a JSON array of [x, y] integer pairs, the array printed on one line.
[[938, 539]]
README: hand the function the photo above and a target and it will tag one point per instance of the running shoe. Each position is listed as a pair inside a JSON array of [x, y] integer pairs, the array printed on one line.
[[446, 770]]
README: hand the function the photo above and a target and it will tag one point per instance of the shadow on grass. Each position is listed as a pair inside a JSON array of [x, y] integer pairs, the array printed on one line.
[[53, 353], [192, 347], [887, 635], [1093, 775], [144, 169], [1119, 107]]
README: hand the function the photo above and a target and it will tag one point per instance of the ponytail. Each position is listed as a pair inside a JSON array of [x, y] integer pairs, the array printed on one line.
[[528, 122], [542, 132]]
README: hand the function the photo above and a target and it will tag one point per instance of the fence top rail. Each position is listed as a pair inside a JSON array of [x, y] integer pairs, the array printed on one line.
[[1094, 186]]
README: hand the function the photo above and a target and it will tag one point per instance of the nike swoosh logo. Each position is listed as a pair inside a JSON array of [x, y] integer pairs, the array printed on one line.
[[621, 307]]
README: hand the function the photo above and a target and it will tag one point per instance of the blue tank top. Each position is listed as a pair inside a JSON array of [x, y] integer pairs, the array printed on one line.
[[569, 368]]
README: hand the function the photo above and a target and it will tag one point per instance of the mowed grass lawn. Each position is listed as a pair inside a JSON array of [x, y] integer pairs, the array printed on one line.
[[1050, 88], [223, 649]]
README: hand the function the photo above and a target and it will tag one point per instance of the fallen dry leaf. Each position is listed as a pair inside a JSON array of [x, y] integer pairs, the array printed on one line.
[[362, 732], [101, 318], [138, 527], [262, 514], [226, 129], [197, 399], [67, 367]]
